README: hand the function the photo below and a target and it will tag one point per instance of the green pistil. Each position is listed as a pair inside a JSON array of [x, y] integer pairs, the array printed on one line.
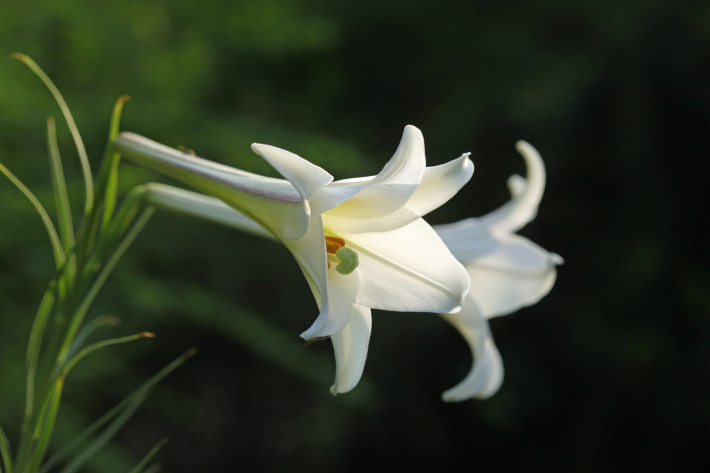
[[349, 260]]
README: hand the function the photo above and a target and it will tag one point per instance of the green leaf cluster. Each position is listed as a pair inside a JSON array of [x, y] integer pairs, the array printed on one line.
[[84, 259]]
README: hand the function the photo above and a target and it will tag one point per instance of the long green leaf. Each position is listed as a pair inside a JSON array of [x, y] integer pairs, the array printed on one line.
[[99, 345], [66, 225], [116, 410], [45, 426], [90, 327], [59, 256], [86, 168], [128, 210], [149, 456], [154, 468], [106, 435], [112, 185], [80, 313], [5, 452], [35, 344]]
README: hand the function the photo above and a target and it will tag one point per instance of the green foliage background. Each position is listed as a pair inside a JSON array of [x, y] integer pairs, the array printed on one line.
[[610, 372]]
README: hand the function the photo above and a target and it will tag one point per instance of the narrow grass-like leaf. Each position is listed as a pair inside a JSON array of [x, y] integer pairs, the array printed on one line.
[[35, 344], [99, 345], [149, 456], [86, 169], [90, 327], [59, 256], [128, 210], [105, 436], [154, 468], [112, 185], [116, 410], [45, 426], [5, 452], [80, 313], [66, 225]]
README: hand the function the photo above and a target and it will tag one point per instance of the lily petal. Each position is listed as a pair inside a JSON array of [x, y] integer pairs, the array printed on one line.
[[350, 347], [408, 269], [334, 292], [516, 273], [273, 203], [392, 188], [486, 374], [439, 184], [335, 194], [519, 211], [306, 177]]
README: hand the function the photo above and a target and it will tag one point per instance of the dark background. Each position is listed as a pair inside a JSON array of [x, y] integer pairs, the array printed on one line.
[[608, 373]]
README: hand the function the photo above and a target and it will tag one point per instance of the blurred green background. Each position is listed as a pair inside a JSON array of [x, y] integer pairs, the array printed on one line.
[[610, 372]]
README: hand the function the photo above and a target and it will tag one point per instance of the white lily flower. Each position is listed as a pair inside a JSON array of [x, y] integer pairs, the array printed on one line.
[[384, 255], [507, 272]]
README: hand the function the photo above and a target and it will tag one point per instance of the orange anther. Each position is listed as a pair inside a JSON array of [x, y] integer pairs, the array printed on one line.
[[333, 244]]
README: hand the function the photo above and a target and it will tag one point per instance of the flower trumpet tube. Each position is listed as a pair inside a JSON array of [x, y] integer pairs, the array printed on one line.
[[363, 245], [279, 205], [507, 272]]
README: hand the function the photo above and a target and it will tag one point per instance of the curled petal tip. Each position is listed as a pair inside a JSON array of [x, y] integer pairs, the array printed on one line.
[[556, 259], [306, 177], [456, 309], [466, 162], [334, 390], [527, 150]]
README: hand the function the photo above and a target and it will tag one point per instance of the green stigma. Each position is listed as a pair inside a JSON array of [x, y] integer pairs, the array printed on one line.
[[349, 260]]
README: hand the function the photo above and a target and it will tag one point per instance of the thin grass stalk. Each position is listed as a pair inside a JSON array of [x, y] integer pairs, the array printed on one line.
[[90, 327], [97, 346], [59, 256], [80, 313], [5, 452], [44, 434], [35, 344], [116, 410], [112, 184], [64, 217], [106, 435], [85, 167], [155, 467], [149, 456]]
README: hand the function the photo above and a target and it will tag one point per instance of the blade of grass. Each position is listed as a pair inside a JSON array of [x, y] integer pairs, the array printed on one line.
[[112, 185], [86, 169], [128, 210], [97, 346], [149, 456], [90, 327], [66, 225], [35, 344], [116, 410], [154, 468], [59, 256], [45, 427], [5, 452], [80, 313], [106, 435]]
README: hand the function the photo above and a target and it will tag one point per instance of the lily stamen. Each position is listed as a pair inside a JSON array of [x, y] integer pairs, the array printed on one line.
[[333, 244]]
